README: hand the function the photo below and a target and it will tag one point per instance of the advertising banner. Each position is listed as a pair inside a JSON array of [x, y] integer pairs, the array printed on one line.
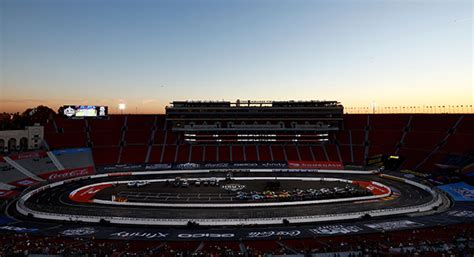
[[315, 165], [28, 155], [68, 173], [460, 191], [7, 194]]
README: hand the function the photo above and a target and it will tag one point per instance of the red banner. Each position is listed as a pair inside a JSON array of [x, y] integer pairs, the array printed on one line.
[[315, 165], [7, 194], [69, 173]]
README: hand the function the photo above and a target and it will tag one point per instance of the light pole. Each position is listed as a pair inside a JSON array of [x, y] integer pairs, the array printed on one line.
[[121, 107]]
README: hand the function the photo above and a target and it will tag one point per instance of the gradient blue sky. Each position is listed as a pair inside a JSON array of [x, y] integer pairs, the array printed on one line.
[[148, 53]]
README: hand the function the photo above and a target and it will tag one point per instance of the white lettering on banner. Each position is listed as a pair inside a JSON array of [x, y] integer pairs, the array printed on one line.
[[91, 191], [18, 229], [148, 235], [262, 234], [335, 229], [25, 182], [79, 231], [69, 174], [394, 225], [465, 214], [205, 235]]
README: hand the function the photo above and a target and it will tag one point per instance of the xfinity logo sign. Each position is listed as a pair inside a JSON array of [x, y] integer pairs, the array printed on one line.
[[146, 235]]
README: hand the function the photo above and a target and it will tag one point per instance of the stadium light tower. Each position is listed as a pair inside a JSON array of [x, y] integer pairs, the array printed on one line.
[[373, 105], [121, 107]]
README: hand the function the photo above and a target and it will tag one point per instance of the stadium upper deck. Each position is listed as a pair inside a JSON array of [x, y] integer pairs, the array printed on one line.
[[421, 141]]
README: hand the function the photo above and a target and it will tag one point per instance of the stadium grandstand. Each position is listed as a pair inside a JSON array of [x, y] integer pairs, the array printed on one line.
[[421, 165]]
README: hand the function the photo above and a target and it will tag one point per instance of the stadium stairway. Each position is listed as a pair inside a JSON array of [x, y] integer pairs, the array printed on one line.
[[22, 169]]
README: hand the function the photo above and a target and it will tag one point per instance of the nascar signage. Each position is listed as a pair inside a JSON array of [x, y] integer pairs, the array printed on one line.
[[315, 165]]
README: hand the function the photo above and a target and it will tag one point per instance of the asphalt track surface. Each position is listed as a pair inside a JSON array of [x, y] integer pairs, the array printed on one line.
[[167, 193], [56, 200]]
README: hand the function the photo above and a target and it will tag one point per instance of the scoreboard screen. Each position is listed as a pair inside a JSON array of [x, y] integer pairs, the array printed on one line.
[[84, 111]]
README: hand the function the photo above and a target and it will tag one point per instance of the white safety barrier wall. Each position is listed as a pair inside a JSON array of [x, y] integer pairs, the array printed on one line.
[[435, 202]]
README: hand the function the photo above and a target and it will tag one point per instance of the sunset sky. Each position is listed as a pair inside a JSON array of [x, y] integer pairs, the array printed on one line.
[[147, 53]]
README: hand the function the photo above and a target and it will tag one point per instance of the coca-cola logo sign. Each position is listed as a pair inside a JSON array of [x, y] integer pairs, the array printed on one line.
[[69, 174], [263, 234]]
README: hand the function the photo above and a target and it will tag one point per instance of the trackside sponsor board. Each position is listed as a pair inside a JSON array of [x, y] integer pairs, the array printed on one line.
[[68, 173], [461, 191], [28, 155], [6, 194], [315, 165], [327, 230], [24, 182], [5, 220], [70, 151], [394, 225]]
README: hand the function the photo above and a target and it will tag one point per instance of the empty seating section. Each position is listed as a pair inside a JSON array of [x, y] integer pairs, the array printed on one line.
[[183, 153], [210, 154], [355, 121], [466, 126], [237, 153], [224, 153], [394, 122], [412, 157], [431, 162], [75, 158], [169, 154], [8, 174], [140, 137], [67, 126], [385, 131], [305, 153], [66, 140], [133, 154], [358, 154], [318, 153], [332, 152], [292, 153], [386, 138], [106, 138], [155, 154], [159, 137], [278, 154], [264, 153], [140, 122], [459, 143], [37, 165], [345, 151], [343, 137], [433, 122], [105, 155], [251, 153], [115, 122], [171, 138], [358, 137], [197, 153], [423, 140]]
